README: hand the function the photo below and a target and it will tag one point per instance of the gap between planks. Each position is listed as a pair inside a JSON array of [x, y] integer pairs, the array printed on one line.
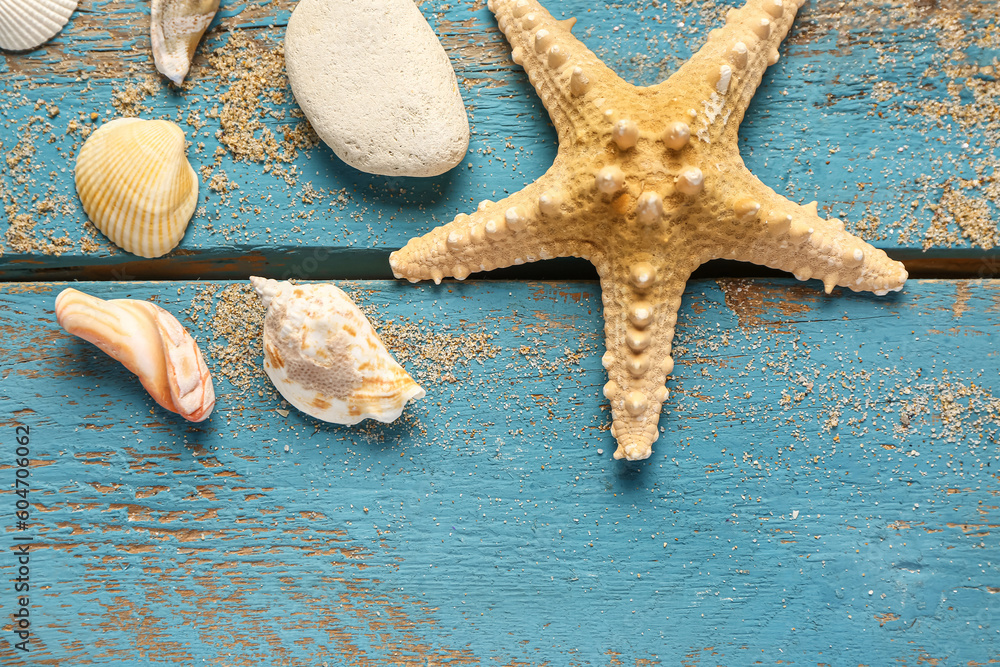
[[336, 264]]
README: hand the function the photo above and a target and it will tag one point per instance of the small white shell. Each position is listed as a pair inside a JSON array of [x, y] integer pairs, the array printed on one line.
[[136, 184], [175, 28], [324, 357], [148, 341], [25, 24]]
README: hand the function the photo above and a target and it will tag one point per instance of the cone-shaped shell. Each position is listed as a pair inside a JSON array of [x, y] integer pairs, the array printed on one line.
[[175, 28], [25, 24], [136, 184], [148, 341], [324, 357]]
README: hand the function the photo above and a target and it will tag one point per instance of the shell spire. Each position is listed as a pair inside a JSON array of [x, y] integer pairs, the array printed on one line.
[[148, 341], [325, 358], [266, 289]]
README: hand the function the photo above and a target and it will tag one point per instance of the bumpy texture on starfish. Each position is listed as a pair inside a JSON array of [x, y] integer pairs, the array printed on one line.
[[647, 184]]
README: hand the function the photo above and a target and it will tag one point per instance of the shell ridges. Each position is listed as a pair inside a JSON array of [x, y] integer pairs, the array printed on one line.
[[136, 184], [27, 24]]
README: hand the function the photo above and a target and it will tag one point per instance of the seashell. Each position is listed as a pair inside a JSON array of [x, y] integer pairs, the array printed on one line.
[[175, 28], [136, 184], [324, 357], [25, 24], [148, 341]]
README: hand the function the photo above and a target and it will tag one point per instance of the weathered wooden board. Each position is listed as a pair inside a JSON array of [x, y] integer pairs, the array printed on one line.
[[885, 112], [825, 489]]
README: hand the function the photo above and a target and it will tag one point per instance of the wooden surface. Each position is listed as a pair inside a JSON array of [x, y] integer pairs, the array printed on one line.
[[884, 113], [824, 490]]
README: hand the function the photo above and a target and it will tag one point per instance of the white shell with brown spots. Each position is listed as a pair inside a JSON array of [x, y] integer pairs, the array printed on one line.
[[324, 357]]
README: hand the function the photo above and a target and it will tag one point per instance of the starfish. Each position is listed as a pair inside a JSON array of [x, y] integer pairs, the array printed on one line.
[[647, 184]]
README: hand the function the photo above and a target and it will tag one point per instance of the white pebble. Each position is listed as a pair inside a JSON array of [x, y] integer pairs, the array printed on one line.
[[377, 86]]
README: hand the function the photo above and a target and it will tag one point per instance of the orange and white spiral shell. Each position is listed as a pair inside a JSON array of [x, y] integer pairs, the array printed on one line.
[[148, 341]]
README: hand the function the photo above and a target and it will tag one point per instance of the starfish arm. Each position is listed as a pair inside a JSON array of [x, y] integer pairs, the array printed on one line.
[[768, 229], [728, 69], [512, 231], [647, 184], [641, 300], [563, 71]]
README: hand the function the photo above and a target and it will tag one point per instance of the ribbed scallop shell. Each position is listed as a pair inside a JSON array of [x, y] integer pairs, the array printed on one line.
[[148, 341], [136, 184], [25, 24], [324, 357]]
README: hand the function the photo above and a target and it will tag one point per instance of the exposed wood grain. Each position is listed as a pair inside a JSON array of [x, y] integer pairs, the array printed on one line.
[[825, 489], [886, 113]]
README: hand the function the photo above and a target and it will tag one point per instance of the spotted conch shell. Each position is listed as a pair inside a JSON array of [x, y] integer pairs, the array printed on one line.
[[175, 28], [324, 357], [148, 341], [25, 24], [136, 184]]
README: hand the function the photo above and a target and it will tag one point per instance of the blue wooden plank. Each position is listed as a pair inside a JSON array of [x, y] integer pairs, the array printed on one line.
[[883, 114], [823, 491]]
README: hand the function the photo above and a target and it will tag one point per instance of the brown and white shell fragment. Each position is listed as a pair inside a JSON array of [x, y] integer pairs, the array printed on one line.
[[175, 28], [324, 357], [148, 341]]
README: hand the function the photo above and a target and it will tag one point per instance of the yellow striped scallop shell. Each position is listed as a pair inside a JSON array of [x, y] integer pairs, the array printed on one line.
[[136, 184]]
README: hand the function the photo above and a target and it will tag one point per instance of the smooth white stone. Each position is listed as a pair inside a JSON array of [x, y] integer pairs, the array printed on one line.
[[377, 86]]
